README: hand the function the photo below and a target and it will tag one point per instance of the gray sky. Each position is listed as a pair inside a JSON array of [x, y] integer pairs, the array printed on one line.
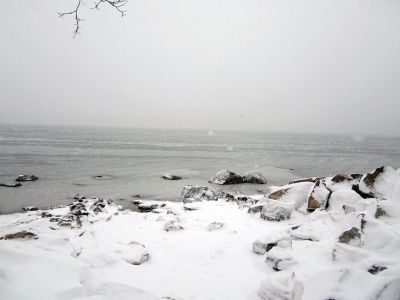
[[283, 65]]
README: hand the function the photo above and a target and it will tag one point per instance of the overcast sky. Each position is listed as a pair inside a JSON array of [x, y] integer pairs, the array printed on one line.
[[298, 65]]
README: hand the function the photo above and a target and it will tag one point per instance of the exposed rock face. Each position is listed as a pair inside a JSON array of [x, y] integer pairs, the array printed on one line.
[[276, 211], [352, 236], [278, 194], [19, 235], [370, 178], [171, 177], [342, 178], [197, 193], [226, 177], [380, 212], [381, 183], [318, 197], [254, 177], [11, 184], [22, 178]]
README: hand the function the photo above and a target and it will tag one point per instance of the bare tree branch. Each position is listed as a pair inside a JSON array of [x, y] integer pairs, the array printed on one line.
[[116, 4], [76, 15]]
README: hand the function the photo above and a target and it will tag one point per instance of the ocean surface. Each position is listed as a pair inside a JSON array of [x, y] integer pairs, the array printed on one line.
[[131, 161]]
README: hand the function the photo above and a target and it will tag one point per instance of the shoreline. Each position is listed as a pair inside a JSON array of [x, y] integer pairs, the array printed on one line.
[[313, 239]]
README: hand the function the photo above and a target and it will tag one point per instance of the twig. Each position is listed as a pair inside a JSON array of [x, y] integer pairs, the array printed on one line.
[[117, 4]]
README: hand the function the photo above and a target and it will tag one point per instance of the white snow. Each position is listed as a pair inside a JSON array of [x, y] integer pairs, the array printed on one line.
[[206, 250]]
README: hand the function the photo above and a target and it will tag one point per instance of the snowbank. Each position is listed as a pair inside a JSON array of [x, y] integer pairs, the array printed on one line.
[[346, 247]]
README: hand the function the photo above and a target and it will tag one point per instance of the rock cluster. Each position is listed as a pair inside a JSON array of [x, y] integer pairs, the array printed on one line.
[[225, 177]]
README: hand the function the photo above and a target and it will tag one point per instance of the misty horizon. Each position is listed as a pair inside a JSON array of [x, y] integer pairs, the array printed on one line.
[[314, 67]]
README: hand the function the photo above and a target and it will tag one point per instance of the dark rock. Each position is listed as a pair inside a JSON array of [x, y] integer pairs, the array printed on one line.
[[310, 179], [30, 208], [376, 269], [226, 177], [171, 177], [380, 212], [254, 177], [262, 247], [22, 178], [256, 208], [341, 178], [349, 235], [103, 177], [198, 193], [11, 184], [79, 197], [225, 196], [54, 219], [371, 178], [364, 195], [19, 235], [45, 214], [242, 198], [318, 197], [356, 176]]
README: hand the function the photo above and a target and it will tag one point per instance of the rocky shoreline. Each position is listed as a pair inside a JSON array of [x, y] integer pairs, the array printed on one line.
[[315, 238]]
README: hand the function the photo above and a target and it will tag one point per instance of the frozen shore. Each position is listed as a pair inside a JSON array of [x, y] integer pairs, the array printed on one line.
[[321, 238]]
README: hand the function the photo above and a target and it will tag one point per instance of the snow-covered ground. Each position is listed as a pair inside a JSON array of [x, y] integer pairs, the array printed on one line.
[[336, 238]]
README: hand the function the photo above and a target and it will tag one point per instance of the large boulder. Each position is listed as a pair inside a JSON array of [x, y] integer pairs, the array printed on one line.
[[192, 193], [295, 194], [226, 177], [254, 177], [276, 211], [22, 178]]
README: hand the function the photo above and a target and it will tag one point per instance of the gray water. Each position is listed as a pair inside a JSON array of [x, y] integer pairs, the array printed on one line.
[[66, 159]]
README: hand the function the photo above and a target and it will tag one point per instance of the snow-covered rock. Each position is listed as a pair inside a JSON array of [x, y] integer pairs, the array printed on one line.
[[318, 197], [383, 183], [198, 193], [281, 286], [275, 210]]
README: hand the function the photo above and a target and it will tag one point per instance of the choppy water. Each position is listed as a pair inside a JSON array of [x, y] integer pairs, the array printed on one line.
[[66, 159]]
